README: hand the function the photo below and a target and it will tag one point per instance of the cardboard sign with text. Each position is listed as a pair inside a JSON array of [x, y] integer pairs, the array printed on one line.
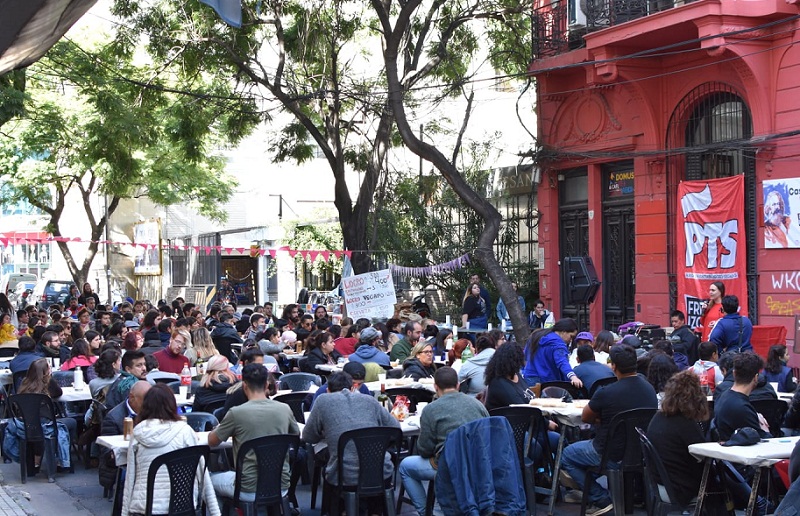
[[369, 295]]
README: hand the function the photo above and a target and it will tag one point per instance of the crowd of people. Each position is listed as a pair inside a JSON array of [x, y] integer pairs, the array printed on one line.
[[236, 356]]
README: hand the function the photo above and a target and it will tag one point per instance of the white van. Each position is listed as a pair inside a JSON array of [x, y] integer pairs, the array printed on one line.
[[9, 281]]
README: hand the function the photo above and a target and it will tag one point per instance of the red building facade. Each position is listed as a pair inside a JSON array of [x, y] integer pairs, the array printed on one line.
[[636, 96]]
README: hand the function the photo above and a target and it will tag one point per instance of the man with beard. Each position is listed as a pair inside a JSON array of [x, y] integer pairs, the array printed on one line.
[[778, 228], [290, 318]]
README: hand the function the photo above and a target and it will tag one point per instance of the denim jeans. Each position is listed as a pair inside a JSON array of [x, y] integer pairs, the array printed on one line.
[[414, 470], [575, 460], [224, 484]]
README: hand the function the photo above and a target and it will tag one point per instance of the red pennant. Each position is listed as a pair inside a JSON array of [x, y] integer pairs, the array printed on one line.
[[313, 255], [207, 249], [349, 254], [337, 254], [262, 252], [292, 252], [326, 255], [196, 248], [227, 250], [241, 250], [273, 253], [304, 254], [76, 239], [3, 242]]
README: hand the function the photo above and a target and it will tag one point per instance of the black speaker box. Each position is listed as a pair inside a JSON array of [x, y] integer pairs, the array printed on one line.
[[579, 280]]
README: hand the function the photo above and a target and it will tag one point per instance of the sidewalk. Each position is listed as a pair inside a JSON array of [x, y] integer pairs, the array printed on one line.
[[13, 502]]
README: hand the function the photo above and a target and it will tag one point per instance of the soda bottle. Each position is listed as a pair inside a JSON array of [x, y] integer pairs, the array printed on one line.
[[186, 375], [466, 354]]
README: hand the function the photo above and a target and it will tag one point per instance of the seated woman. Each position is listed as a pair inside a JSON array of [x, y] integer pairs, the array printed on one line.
[[213, 385], [777, 371], [79, 356], [106, 370], [40, 381], [201, 349], [158, 430], [675, 426], [321, 351], [95, 341], [419, 363], [454, 354], [660, 370]]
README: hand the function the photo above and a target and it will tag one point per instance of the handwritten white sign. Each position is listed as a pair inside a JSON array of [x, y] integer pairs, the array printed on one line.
[[369, 295]]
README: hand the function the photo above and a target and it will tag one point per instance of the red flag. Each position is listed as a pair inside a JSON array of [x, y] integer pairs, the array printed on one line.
[[313, 255], [338, 254], [326, 255], [273, 253], [711, 242], [304, 254], [349, 254], [292, 252]]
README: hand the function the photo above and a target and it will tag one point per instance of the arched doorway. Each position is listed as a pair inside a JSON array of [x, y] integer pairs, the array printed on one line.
[[707, 139]]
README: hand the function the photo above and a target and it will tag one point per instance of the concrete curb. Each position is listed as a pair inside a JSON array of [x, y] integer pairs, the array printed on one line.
[[13, 501]]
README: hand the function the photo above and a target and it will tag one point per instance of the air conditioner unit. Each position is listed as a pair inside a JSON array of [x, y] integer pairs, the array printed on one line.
[[576, 17]]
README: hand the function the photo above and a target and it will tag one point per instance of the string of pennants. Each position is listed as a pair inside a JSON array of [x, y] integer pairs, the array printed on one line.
[[253, 251], [430, 270]]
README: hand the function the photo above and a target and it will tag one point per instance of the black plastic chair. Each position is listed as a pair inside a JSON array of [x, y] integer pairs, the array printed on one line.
[[576, 393], [63, 378], [201, 421], [296, 401], [657, 481], [174, 385], [774, 412], [371, 446], [183, 467], [599, 384], [414, 395], [623, 426], [30, 409], [300, 381], [529, 426], [270, 454]]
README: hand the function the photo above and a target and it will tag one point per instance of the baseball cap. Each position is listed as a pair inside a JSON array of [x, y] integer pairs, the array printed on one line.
[[356, 370], [131, 324], [369, 334], [585, 335], [745, 436]]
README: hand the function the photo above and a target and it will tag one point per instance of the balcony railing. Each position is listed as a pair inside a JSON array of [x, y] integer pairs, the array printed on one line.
[[559, 27]]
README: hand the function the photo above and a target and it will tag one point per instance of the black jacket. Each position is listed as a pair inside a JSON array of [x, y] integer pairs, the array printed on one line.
[[685, 341], [212, 396], [223, 335], [413, 368], [316, 357]]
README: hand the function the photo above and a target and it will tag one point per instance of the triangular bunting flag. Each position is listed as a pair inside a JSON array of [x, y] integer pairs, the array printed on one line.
[[313, 255], [326, 255], [273, 253]]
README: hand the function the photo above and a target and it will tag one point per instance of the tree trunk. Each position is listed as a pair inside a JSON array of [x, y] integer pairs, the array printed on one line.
[[484, 252]]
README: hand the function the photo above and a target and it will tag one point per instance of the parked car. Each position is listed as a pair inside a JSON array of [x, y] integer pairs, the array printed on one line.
[[9, 281], [21, 295], [47, 292]]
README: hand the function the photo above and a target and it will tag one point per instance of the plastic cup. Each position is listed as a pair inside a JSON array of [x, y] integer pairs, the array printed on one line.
[[382, 377], [183, 391], [421, 406]]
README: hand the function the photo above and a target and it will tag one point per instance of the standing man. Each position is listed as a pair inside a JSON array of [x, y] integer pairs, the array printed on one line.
[[449, 411], [502, 312], [476, 278], [540, 317], [259, 417], [684, 340], [412, 332], [225, 292], [630, 391], [732, 332]]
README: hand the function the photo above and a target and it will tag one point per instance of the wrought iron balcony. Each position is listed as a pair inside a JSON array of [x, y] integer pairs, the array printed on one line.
[[559, 27]]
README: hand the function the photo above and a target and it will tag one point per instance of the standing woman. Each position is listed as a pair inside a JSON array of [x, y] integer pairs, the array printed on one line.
[[87, 293], [712, 309], [547, 360], [777, 371], [473, 309], [158, 430]]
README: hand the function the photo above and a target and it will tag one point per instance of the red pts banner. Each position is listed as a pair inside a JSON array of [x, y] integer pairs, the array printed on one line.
[[711, 242]]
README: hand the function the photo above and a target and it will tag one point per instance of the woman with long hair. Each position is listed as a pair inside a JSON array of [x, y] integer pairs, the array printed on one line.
[[454, 354], [201, 348], [547, 355], [79, 356], [504, 385], [712, 309], [213, 384], [117, 332], [321, 351], [106, 369], [149, 327], [473, 308], [676, 425], [659, 371], [776, 369], [95, 340], [132, 341], [419, 363], [86, 293], [159, 430], [602, 344]]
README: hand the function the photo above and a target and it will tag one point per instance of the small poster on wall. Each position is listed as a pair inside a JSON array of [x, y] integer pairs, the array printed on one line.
[[147, 239], [782, 213]]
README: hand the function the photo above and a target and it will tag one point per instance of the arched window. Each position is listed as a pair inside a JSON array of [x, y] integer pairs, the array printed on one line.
[[706, 139]]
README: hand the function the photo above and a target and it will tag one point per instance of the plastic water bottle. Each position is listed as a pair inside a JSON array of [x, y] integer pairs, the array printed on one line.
[[77, 379]]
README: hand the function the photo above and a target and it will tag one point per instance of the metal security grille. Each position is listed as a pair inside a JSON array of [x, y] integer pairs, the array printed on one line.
[[707, 138]]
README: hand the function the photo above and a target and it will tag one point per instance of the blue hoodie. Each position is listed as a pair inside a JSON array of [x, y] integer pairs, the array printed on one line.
[[370, 354], [551, 361]]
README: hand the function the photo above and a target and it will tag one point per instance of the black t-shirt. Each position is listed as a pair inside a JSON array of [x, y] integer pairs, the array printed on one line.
[[503, 392], [631, 392], [671, 437], [474, 307], [732, 411]]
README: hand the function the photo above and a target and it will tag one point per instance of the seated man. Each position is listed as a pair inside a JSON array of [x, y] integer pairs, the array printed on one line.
[[588, 369], [733, 409], [707, 366], [412, 331], [449, 411], [357, 372], [133, 370], [337, 412], [762, 391], [113, 421], [259, 417], [171, 359], [26, 355], [629, 392]]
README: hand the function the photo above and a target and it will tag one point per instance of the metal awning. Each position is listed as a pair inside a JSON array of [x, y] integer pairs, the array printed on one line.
[[28, 28]]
